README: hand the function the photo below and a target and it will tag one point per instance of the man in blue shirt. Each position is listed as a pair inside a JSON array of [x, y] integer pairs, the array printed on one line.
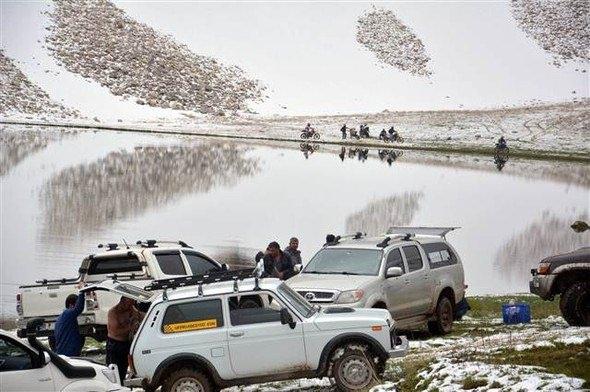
[[67, 335]]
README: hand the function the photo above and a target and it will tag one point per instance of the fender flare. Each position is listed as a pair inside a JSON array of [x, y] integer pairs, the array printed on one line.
[[342, 339], [439, 289], [181, 357]]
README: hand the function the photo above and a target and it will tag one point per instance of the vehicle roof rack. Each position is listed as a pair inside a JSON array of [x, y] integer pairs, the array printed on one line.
[[199, 280], [152, 243], [356, 236], [423, 230]]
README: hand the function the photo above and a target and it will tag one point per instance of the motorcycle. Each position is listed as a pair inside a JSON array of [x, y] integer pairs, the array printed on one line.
[[309, 134]]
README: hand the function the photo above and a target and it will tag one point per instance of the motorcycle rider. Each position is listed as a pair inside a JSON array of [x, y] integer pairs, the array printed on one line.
[[392, 133], [501, 144], [383, 135]]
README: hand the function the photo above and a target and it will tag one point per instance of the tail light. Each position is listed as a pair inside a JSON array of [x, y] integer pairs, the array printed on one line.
[[543, 268], [19, 304]]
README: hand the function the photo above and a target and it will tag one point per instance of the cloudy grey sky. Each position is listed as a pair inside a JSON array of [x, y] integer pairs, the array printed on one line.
[[306, 53]]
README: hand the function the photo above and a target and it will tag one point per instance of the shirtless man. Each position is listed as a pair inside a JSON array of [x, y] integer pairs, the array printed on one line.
[[123, 321]]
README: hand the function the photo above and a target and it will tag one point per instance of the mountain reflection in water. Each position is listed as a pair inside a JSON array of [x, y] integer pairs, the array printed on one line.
[[379, 215], [18, 144], [83, 199], [547, 236]]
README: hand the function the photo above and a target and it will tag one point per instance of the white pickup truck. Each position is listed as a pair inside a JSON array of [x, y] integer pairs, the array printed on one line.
[[137, 264]]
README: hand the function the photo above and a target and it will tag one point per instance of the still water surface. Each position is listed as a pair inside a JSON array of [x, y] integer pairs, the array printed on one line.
[[63, 193]]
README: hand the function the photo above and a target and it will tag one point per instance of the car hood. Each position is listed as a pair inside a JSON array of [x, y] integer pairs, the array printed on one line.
[[339, 318], [329, 282]]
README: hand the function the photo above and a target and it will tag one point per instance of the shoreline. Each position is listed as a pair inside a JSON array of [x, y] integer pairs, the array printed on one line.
[[250, 135]]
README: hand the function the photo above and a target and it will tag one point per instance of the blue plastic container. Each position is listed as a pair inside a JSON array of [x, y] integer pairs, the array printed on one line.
[[519, 313]]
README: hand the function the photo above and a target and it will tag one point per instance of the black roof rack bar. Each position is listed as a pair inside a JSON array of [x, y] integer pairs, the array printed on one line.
[[62, 280], [355, 236], [197, 280], [152, 243], [384, 243]]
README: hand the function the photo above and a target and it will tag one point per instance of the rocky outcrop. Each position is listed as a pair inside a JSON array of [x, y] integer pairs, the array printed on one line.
[[18, 95], [561, 28], [392, 42], [98, 41]]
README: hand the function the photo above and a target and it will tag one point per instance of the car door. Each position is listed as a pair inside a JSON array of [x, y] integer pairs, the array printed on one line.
[[21, 369], [416, 280], [395, 287], [259, 343]]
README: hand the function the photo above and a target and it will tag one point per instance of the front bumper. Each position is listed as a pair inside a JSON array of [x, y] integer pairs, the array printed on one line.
[[400, 349], [541, 285]]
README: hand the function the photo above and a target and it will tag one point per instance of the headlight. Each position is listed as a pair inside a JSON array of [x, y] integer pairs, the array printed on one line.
[[544, 268], [111, 374], [351, 296]]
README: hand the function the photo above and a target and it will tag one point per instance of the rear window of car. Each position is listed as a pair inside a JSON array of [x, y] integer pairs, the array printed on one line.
[[439, 254], [413, 258], [114, 265], [193, 316], [170, 262]]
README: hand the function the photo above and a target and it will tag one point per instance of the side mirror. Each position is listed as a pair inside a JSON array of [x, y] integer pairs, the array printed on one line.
[[286, 318], [224, 267], [393, 272], [46, 358]]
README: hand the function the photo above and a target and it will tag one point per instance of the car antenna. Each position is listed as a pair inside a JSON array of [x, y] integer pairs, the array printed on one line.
[[126, 244]]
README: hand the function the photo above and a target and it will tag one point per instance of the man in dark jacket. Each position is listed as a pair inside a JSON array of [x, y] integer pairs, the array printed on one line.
[[67, 335], [293, 252], [276, 263]]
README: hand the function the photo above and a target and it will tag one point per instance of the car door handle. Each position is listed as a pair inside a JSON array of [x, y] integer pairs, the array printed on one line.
[[236, 334], [45, 379]]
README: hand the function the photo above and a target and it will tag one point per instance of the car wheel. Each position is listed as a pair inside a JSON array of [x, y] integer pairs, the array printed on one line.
[[353, 371], [187, 380], [443, 324], [575, 304]]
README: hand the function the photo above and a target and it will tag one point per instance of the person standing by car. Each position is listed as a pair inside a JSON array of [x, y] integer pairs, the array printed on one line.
[[276, 263], [293, 252], [123, 320], [68, 340]]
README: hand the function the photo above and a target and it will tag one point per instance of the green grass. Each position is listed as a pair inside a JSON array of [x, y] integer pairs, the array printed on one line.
[[491, 307], [573, 360], [473, 382], [407, 371]]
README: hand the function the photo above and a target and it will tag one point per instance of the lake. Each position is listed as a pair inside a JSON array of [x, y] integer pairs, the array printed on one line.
[[64, 192]]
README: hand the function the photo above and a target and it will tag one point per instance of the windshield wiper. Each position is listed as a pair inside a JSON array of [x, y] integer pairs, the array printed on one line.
[[332, 272]]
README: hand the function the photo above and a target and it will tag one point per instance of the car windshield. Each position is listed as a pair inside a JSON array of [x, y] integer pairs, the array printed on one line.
[[345, 261], [298, 302]]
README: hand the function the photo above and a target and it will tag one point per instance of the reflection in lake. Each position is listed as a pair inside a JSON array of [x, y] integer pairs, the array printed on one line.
[[380, 215], [84, 198], [547, 236], [17, 144]]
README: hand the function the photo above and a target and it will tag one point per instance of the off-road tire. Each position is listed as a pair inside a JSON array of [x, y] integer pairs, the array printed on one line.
[[187, 377], [353, 363], [575, 304], [316, 135], [444, 315]]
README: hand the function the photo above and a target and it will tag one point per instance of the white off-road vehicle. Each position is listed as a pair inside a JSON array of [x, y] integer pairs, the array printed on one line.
[[27, 365], [412, 271], [138, 264], [197, 338]]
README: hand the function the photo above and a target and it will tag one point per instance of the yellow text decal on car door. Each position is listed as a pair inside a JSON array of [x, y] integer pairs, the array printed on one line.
[[190, 326]]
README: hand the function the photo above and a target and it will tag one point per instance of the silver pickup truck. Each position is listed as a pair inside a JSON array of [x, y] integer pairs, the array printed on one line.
[[137, 264], [411, 271]]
